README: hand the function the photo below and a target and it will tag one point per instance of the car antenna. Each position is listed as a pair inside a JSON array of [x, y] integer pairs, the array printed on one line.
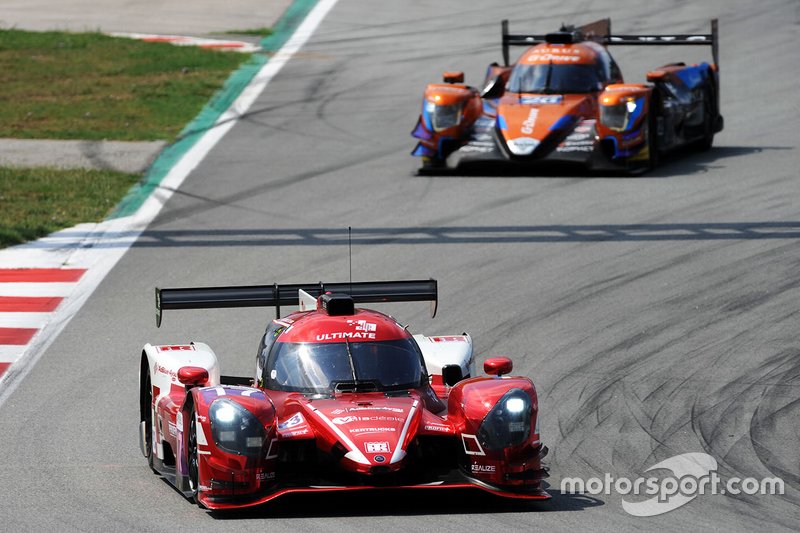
[[350, 255]]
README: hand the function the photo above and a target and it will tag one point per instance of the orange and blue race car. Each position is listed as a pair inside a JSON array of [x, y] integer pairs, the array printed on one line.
[[565, 101]]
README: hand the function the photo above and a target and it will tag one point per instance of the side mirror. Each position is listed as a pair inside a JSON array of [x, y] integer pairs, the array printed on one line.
[[494, 89], [193, 376], [497, 366], [452, 374], [453, 77]]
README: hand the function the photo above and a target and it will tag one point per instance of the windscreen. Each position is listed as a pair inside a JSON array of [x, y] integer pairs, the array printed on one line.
[[554, 78], [317, 367]]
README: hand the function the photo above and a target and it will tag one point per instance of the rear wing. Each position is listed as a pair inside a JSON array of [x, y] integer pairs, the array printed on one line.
[[685, 39], [600, 31], [277, 295]]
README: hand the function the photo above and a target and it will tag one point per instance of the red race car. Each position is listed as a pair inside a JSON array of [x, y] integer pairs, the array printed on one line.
[[342, 398], [564, 101]]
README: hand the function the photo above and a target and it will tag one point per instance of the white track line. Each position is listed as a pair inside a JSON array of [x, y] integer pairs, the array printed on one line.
[[99, 247]]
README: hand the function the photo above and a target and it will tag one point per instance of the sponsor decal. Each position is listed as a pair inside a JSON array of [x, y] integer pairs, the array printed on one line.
[[372, 430], [449, 338], [295, 420], [381, 418], [296, 433], [363, 325], [345, 419], [483, 468], [556, 55], [179, 421], [341, 335], [522, 145], [379, 458], [377, 447], [542, 100], [261, 476], [173, 431], [566, 149], [176, 348], [527, 125], [430, 427], [371, 408], [159, 369], [477, 149], [578, 136]]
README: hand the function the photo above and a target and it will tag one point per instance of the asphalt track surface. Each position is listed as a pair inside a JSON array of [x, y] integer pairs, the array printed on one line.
[[657, 315]]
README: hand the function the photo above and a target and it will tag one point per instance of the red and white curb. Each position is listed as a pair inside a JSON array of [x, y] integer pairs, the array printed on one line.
[[28, 297], [185, 40], [94, 249]]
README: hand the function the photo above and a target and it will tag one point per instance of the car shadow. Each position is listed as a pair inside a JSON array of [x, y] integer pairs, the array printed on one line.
[[682, 161], [405, 502]]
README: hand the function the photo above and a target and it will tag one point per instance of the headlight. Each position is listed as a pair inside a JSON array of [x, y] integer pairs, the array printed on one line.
[[235, 429], [622, 116], [508, 423], [443, 116]]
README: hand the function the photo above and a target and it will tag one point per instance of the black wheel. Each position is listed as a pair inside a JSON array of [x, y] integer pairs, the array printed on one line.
[[709, 120], [191, 456], [147, 420], [652, 137]]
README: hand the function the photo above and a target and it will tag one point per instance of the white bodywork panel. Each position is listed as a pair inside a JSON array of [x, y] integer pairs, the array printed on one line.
[[443, 350], [164, 361]]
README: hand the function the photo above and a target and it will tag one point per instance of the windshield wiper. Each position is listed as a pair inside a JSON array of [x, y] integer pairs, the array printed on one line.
[[350, 360], [548, 78]]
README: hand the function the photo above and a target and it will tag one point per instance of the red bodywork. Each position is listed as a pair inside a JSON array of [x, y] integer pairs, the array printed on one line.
[[351, 439]]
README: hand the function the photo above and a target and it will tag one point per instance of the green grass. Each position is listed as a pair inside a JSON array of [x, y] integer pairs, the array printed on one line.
[[258, 32], [38, 201], [59, 85]]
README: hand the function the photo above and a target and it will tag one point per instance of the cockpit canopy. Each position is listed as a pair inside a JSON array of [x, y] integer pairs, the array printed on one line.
[[322, 368], [555, 78], [563, 69]]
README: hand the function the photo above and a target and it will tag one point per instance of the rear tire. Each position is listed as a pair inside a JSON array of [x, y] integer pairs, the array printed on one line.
[[147, 415], [709, 121], [652, 137], [192, 457]]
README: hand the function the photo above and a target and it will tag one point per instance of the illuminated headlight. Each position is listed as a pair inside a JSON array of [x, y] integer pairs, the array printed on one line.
[[443, 116], [235, 429], [622, 116], [508, 423], [522, 145]]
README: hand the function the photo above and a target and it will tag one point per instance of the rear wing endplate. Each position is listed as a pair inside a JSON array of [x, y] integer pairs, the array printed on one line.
[[278, 295], [600, 31]]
